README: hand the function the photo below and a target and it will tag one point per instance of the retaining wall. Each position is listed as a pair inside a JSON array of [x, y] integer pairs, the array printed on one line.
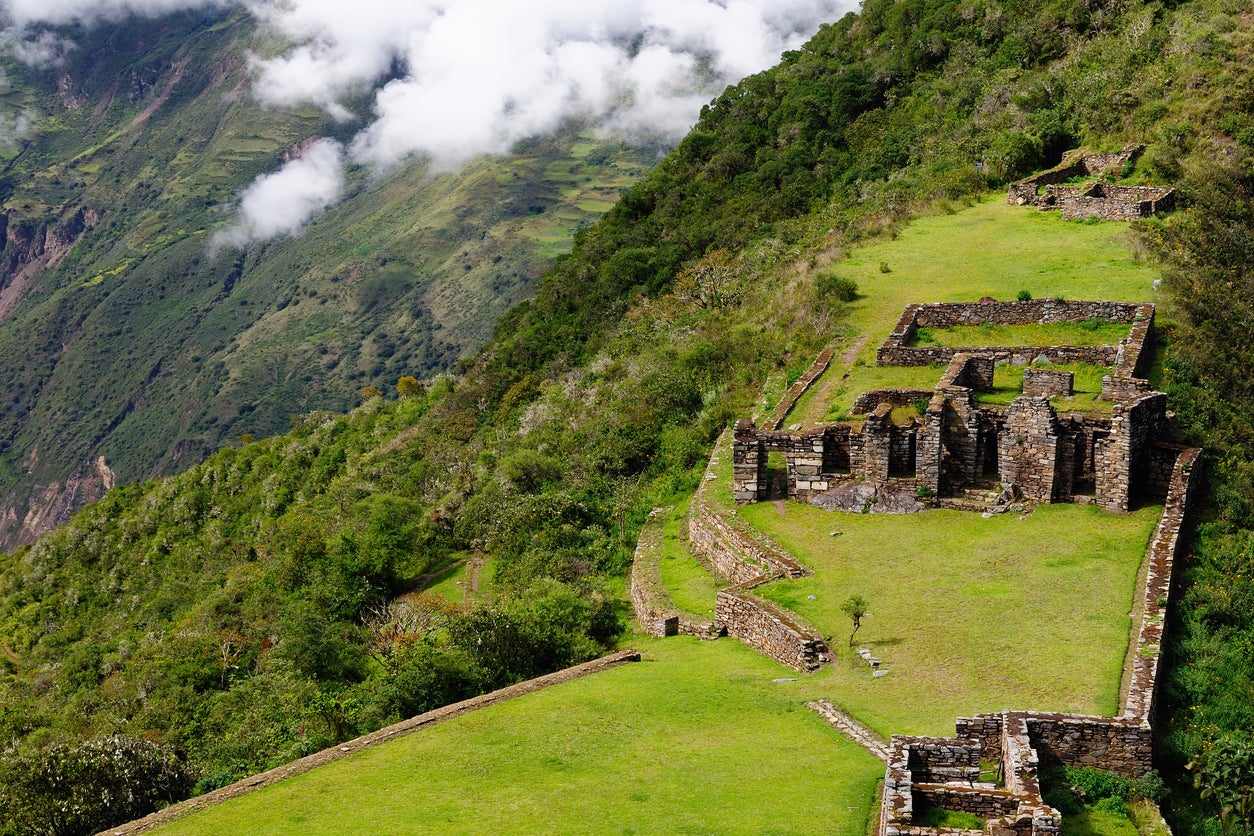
[[770, 629], [1125, 356], [657, 615]]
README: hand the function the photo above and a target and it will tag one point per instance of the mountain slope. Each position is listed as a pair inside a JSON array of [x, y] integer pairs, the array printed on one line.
[[131, 339]]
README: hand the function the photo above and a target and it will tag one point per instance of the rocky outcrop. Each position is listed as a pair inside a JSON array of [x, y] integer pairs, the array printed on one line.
[[24, 518], [29, 246]]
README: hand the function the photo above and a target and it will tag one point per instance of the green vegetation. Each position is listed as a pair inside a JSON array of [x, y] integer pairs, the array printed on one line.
[[963, 609], [228, 611], [672, 744], [938, 817], [1089, 332], [1086, 384], [691, 585], [1095, 803], [145, 346]]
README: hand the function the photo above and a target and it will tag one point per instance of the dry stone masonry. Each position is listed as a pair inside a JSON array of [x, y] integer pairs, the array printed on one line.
[[1033, 452], [1097, 199], [745, 558], [939, 771], [959, 444]]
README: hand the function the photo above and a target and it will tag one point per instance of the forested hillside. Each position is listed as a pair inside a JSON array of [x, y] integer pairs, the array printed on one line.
[[133, 343], [236, 615]]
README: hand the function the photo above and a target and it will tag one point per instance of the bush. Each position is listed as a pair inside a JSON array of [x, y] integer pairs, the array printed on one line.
[[831, 287], [89, 787], [1024, 296]]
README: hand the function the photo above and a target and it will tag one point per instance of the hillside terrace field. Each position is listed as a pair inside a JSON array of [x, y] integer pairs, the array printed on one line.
[[697, 738], [969, 614]]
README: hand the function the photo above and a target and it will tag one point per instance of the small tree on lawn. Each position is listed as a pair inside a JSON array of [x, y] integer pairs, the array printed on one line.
[[855, 607]]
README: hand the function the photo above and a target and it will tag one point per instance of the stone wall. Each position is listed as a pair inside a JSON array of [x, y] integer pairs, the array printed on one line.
[[1026, 192], [1142, 693], [801, 386], [913, 779], [749, 471], [770, 629], [970, 372], [706, 538], [987, 804], [1105, 743], [1033, 312], [868, 401], [1059, 355], [934, 760], [1121, 459], [1133, 359], [657, 615], [896, 350], [1117, 203], [1115, 388], [1029, 449], [1048, 383]]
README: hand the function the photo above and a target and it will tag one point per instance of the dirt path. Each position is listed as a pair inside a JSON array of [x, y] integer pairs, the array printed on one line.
[[472, 576], [851, 353]]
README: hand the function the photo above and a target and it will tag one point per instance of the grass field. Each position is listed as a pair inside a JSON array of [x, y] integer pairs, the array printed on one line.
[[699, 738], [990, 249], [1092, 332], [691, 586], [968, 614]]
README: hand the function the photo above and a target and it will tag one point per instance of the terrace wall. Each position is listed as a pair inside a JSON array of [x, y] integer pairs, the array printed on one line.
[[657, 615], [770, 629]]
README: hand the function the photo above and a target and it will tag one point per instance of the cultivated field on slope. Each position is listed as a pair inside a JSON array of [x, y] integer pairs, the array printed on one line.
[[698, 738]]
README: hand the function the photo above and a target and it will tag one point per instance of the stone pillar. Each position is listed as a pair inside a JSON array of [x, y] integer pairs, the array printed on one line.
[[748, 464]]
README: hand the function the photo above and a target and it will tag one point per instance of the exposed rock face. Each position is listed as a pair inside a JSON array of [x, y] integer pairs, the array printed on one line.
[[22, 520], [29, 246]]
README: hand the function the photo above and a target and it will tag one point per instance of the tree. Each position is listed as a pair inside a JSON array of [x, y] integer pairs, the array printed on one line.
[[1224, 771], [855, 607], [713, 281], [409, 387]]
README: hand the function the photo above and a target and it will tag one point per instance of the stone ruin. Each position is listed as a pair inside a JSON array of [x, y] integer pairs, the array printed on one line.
[[1097, 199], [1030, 451], [960, 452], [946, 772]]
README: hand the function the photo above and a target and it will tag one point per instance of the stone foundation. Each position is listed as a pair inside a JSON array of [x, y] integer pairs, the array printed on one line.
[[896, 350]]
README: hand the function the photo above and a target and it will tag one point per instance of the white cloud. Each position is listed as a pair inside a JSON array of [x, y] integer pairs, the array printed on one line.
[[22, 13], [281, 202], [470, 77], [45, 49]]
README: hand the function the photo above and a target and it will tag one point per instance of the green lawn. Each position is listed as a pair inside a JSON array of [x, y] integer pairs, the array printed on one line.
[[696, 739], [990, 249], [691, 586], [968, 614], [1091, 332]]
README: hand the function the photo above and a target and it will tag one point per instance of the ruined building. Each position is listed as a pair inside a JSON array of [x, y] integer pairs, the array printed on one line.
[[1096, 199], [960, 449]]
